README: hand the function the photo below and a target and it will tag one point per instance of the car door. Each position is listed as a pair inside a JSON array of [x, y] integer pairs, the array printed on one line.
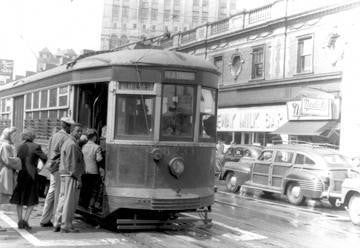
[[260, 173], [283, 162], [228, 155]]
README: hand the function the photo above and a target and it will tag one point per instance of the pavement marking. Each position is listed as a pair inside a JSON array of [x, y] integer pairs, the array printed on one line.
[[244, 235], [79, 242]]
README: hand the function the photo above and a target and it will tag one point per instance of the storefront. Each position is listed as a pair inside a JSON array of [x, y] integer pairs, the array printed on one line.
[[314, 120], [251, 125]]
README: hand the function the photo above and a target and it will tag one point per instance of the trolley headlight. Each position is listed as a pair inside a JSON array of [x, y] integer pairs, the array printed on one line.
[[177, 166]]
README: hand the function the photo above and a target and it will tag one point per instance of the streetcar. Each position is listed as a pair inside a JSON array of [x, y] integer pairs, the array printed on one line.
[[155, 112]]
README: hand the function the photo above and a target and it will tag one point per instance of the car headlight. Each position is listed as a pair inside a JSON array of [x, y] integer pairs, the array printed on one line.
[[177, 166]]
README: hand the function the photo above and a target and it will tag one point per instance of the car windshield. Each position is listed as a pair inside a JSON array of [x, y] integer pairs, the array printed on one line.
[[336, 160]]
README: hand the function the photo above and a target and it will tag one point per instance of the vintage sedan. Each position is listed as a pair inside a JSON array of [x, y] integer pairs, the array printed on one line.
[[236, 165], [300, 172], [350, 196]]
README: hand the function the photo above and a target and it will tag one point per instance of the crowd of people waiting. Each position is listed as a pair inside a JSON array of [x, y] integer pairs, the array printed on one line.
[[73, 158]]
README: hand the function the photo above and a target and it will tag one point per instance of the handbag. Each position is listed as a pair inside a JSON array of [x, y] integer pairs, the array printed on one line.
[[7, 180], [12, 162]]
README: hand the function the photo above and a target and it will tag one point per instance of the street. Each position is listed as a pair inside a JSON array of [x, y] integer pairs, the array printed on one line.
[[238, 221]]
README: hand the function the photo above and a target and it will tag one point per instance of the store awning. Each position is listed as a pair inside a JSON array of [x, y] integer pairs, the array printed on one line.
[[308, 128]]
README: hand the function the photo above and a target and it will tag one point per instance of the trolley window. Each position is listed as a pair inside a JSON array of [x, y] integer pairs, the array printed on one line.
[[177, 112], [134, 116], [207, 115]]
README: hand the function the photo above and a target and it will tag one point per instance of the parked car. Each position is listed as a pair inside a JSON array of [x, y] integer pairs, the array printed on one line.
[[350, 196], [300, 172], [234, 172]]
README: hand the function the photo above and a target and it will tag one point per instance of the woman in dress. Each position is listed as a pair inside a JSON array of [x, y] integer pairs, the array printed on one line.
[[8, 164], [26, 191]]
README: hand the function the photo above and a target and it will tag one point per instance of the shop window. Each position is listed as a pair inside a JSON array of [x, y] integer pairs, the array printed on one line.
[[257, 63], [305, 55]]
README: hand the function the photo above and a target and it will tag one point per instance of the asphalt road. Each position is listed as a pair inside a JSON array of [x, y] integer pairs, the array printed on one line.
[[237, 221]]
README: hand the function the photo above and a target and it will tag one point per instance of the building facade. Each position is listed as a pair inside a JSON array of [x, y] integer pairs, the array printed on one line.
[[47, 60], [127, 21], [281, 69]]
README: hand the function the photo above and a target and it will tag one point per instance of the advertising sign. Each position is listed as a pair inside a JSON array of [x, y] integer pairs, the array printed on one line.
[[6, 67], [313, 109], [252, 119]]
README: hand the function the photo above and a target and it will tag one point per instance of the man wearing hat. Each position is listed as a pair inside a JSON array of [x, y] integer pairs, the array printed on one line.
[[71, 169], [55, 144]]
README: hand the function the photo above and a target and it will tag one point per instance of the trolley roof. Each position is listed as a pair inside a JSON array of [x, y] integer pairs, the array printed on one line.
[[139, 57]]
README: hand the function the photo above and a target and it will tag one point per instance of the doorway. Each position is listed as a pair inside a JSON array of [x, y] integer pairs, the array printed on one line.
[[91, 105]]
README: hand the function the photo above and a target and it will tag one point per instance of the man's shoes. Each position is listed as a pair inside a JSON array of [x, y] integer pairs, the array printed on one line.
[[48, 224], [57, 229], [71, 230]]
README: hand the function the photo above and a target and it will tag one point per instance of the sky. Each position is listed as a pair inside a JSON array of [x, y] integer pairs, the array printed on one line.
[[27, 26]]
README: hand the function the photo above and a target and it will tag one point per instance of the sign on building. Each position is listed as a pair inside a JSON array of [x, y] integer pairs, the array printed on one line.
[[252, 119], [313, 109], [6, 67]]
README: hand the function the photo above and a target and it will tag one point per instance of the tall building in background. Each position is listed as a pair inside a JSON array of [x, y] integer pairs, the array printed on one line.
[[127, 21]]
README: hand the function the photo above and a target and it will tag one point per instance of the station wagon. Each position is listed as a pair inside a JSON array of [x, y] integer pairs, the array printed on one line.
[[300, 172]]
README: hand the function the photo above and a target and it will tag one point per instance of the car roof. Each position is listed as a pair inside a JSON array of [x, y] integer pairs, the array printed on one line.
[[247, 146], [312, 149]]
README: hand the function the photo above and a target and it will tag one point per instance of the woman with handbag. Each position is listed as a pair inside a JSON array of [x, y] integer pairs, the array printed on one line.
[[26, 192], [9, 163]]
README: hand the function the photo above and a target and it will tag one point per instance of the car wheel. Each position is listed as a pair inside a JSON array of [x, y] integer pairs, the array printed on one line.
[[333, 203], [354, 209], [232, 183], [294, 194]]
